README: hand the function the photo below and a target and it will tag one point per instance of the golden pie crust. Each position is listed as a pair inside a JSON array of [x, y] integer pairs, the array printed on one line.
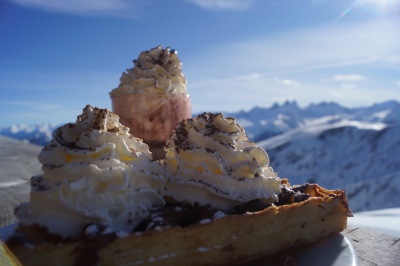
[[231, 239]]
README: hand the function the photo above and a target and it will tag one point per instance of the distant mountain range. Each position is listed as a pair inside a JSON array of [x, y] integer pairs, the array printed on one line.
[[39, 134], [356, 149], [262, 123]]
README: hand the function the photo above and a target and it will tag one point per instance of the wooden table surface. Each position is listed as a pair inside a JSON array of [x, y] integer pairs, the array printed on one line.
[[18, 162]]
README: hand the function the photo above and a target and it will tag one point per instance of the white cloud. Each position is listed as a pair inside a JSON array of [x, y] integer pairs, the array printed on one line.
[[287, 82], [223, 4], [251, 76], [349, 77], [78, 6]]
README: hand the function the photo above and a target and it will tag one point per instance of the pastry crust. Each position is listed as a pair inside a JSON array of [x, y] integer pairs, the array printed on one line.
[[231, 239]]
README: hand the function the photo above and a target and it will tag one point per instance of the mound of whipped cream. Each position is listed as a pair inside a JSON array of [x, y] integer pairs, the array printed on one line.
[[155, 71], [95, 172], [210, 161]]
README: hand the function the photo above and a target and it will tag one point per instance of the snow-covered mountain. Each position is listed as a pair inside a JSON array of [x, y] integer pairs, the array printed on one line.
[[39, 134], [340, 156], [262, 123], [356, 149]]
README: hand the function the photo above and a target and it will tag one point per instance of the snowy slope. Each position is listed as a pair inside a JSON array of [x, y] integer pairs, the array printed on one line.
[[355, 152], [360, 157], [375, 193]]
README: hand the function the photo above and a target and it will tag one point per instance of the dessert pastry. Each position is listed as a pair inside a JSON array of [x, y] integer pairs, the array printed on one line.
[[95, 172], [223, 203], [152, 97], [210, 161]]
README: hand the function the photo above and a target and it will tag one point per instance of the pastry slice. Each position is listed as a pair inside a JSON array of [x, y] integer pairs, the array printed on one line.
[[219, 202], [197, 235], [94, 171]]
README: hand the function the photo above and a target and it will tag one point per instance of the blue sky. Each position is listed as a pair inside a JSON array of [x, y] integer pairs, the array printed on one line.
[[56, 56]]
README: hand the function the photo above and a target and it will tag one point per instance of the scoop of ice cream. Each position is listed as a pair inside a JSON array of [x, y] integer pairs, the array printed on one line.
[[95, 172], [209, 160], [156, 71]]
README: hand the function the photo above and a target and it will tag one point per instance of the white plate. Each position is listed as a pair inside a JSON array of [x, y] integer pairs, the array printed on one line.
[[335, 251]]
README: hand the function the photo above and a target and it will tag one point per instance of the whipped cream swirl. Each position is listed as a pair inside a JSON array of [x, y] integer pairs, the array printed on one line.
[[156, 71], [209, 160], [95, 172]]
